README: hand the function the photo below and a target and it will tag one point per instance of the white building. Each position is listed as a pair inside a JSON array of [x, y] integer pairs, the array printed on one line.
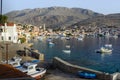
[[8, 32]]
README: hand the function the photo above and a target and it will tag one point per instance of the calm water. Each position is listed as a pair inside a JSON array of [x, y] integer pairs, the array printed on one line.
[[83, 52]]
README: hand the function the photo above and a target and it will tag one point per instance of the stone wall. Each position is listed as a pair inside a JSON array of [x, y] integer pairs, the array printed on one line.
[[67, 67]]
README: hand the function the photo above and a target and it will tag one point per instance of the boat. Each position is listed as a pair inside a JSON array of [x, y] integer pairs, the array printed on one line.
[[88, 75], [15, 61], [106, 49], [51, 43], [67, 51], [35, 61], [49, 39], [108, 45], [32, 70], [67, 38], [67, 46], [80, 38]]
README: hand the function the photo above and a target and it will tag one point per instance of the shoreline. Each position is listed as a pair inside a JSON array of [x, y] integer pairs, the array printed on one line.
[[52, 73]]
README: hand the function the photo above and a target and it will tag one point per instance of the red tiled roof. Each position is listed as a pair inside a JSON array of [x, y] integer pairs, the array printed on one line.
[[1, 24], [10, 24]]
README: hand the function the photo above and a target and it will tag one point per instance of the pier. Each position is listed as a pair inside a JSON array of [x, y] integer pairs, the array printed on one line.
[[31, 53], [70, 68]]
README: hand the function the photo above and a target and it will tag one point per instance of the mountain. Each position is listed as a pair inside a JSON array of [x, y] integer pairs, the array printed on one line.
[[53, 17], [111, 20]]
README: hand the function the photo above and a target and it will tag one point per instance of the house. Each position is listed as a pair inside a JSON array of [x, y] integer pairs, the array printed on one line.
[[8, 32]]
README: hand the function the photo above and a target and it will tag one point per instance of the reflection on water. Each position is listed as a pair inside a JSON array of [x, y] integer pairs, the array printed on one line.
[[83, 52]]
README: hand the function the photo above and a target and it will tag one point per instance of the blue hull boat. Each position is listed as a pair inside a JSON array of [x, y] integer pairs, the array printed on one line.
[[86, 75]]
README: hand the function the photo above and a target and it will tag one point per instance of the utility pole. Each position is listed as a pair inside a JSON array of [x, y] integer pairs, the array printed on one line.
[[1, 7], [7, 52]]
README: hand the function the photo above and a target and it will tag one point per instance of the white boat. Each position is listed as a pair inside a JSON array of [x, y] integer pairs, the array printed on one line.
[[106, 49], [32, 70], [67, 46], [49, 39], [108, 45], [67, 51], [67, 38], [15, 61], [80, 38], [51, 43]]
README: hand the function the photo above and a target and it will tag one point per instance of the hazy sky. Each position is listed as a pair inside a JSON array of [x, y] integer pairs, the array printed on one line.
[[101, 6]]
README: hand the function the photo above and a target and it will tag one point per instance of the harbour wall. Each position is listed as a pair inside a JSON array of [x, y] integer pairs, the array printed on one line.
[[31, 53], [70, 68]]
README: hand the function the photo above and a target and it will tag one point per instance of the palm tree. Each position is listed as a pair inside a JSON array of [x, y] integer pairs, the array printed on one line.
[[3, 19]]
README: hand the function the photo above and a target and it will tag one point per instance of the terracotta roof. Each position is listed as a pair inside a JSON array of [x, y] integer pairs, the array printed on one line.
[[8, 72], [10, 24], [1, 24]]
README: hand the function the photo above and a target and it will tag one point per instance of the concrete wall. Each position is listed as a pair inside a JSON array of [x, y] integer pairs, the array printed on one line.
[[67, 67]]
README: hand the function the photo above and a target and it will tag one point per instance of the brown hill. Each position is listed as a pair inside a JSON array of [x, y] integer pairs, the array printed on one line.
[[53, 17]]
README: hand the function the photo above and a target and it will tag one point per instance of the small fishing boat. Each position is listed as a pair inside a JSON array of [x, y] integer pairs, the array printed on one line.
[[67, 51], [86, 75], [32, 70], [67, 46], [108, 45], [51, 43], [15, 61], [106, 49]]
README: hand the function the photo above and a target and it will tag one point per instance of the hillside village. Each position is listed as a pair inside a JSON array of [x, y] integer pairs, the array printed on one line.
[[18, 33]]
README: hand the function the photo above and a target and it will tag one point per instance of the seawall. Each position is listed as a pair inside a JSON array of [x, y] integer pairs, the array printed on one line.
[[70, 68]]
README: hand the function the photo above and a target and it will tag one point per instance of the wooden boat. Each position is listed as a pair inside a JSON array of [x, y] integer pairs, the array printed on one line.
[[86, 75], [32, 70]]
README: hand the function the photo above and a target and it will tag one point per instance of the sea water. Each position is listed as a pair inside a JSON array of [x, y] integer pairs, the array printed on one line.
[[83, 53]]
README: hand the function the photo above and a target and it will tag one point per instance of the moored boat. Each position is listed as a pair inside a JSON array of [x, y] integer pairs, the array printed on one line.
[[86, 75], [66, 51], [32, 70], [106, 49], [15, 61]]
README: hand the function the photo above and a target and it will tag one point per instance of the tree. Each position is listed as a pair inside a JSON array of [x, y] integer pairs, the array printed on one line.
[[3, 19]]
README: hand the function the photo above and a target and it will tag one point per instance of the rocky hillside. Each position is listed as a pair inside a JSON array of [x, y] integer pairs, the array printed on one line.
[[53, 17], [111, 20]]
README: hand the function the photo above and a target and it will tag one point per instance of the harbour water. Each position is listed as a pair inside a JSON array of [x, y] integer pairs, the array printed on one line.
[[83, 52]]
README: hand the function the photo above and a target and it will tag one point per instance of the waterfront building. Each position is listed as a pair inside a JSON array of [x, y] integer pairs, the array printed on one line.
[[8, 32]]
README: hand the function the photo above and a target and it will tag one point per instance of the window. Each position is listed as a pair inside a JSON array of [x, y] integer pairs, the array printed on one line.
[[2, 38], [1, 30], [31, 67], [9, 38]]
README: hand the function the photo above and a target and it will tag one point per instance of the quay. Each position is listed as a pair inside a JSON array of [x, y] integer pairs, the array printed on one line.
[[70, 68], [56, 63]]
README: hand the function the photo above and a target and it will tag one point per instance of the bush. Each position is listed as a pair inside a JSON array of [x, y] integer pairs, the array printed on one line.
[[22, 40]]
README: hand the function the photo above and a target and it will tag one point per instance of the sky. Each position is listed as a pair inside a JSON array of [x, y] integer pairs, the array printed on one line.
[[100, 6]]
